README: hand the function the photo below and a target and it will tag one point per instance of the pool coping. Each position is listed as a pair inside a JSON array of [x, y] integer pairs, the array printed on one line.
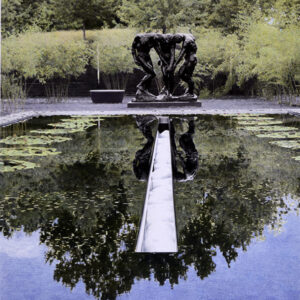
[[26, 115]]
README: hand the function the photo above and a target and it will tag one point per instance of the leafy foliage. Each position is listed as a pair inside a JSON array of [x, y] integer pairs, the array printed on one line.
[[271, 55], [43, 57], [13, 93], [112, 56], [21, 15], [161, 15], [84, 14], [217, 55]]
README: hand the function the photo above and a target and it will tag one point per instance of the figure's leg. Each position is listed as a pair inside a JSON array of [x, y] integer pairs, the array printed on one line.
[[147, 67], [182, 73], [171, 82], [191, 84], [186, 76], [165, 80], [145, 83]]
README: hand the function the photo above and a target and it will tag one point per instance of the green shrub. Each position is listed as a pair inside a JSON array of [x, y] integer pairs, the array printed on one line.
[[218, 55], [12, 93], [45, 56], [263, 59], [112, 56], [271, 55]]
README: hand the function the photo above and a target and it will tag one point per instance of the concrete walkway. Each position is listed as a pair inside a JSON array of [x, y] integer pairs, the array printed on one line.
[[84, 106]]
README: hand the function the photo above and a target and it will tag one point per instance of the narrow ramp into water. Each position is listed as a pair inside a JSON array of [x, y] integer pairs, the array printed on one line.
[[158, 226]]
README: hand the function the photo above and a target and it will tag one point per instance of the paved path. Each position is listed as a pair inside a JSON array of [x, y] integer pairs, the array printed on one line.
[[84, 106]]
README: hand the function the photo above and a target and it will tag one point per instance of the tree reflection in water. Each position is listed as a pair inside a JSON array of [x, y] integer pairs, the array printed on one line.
[[96, 244]]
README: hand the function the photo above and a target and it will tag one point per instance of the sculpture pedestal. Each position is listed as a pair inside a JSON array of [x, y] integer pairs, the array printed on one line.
[[164, 104]]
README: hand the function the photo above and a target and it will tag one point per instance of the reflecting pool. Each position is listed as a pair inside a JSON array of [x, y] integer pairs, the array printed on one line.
[[71, 197]]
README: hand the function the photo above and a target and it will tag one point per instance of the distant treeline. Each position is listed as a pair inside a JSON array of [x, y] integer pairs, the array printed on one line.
[[165, 15], [246, 46]]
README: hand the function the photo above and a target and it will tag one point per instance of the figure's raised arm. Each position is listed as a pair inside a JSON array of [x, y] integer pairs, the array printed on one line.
[[172, 65], [159, 52]]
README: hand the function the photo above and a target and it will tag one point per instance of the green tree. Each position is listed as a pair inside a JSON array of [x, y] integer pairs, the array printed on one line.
[[223, 14], [150, 14], [84, 14], [12, 16], [286, 12], [19, 15]]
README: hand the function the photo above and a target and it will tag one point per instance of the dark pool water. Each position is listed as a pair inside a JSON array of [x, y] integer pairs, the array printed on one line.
[[69, 221]]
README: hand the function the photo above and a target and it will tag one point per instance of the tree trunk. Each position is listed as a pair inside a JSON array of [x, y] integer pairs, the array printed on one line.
[[83, 30]]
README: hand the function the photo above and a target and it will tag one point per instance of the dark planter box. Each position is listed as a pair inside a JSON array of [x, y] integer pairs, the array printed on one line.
[[107, 96]]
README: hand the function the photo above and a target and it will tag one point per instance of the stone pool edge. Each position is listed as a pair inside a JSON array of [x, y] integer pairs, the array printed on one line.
[[23, 116]]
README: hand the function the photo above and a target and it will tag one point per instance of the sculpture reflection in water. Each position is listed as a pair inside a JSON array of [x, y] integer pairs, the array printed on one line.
[[142, 161], [95, 244], [188, 160], [185, 164]]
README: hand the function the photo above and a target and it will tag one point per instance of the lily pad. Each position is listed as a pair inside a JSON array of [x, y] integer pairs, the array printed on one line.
[[75, 123], [96, 117], [269, 128], [93, 117], [280, 135], [55, 131], [14, 165], [254, 118], [259, 122], [290, 144], [248, 115], [34, 140], [82, 126], [28, 151]]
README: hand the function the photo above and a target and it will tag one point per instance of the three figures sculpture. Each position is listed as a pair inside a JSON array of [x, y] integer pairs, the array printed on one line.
[[165, 46]]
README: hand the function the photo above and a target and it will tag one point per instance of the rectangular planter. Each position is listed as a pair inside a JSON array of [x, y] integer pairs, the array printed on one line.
[[107, 96]]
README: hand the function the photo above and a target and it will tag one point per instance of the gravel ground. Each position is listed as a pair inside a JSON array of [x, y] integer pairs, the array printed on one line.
[[84, 106]]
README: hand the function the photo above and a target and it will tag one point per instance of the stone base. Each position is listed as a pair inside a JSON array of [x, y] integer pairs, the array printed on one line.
[[164, 104]]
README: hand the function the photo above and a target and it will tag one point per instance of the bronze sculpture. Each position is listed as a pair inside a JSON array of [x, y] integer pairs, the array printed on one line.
[[165, 45], [188, 50], [141, 46]]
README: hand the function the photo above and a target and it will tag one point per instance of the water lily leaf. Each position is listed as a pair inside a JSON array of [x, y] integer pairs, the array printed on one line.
[[269, 128], [245, 115], [259, 122], [33, 140], [92, 118], [102, 117], [14, 165], [56, 131], [256, 118], [291, 144], [280, 135], [28, 151], [76, 125]]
